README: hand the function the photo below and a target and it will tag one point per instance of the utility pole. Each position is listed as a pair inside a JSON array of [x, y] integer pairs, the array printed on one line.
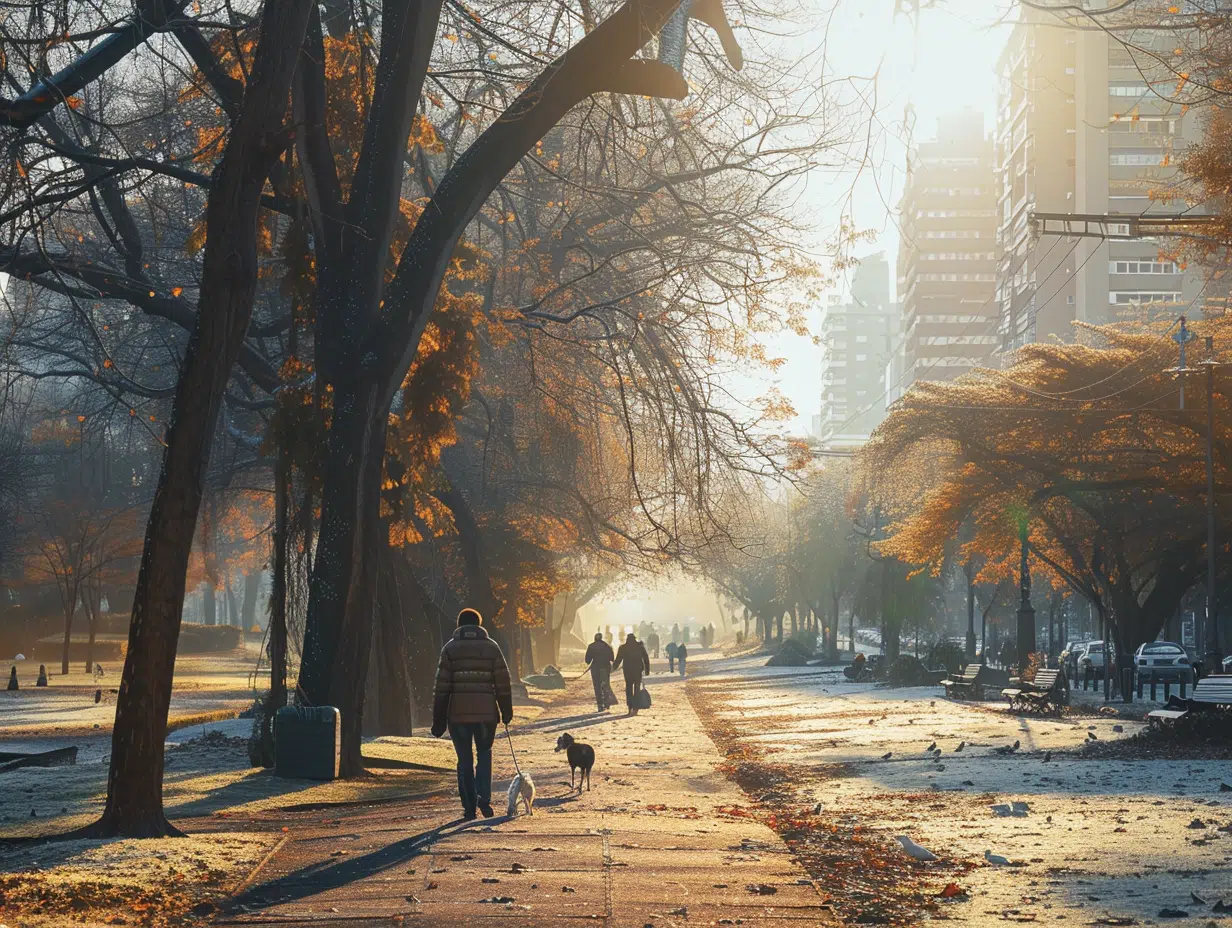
[[1213, 657], [1182, 337]]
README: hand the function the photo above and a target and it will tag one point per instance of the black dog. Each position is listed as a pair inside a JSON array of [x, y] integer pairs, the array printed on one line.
[[581, 756]]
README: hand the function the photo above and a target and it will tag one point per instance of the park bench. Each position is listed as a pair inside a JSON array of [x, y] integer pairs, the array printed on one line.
[[1046, 694], [1213, 693], [971, 682]]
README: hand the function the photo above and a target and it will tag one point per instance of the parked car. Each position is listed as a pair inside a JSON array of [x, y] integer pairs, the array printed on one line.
[[1092, 656], [1069, 657], [1162, 662]]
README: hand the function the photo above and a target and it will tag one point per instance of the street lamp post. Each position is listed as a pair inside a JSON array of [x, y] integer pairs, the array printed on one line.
[[1026, 614], [1213, 658]]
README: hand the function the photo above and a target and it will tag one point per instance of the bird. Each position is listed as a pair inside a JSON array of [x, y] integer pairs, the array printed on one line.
[[98, 697], [961, 745], [932, 747], [914, 850], [1091, 736], [932, 703], [887, 755], [998, 861], [1017, 744], [1047, 756], [1007, 748]]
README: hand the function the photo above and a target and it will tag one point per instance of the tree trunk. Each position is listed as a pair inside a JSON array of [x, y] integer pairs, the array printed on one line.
[[209, 604], [390, 671], [970, 620], [70, 611], [337, 637], [276, 698], [228, 280], [91, 601], [233, 612], [248, 610]]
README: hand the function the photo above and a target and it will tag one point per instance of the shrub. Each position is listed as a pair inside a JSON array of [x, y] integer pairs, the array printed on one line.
[[792, 653], [208, 639], [947, 654]]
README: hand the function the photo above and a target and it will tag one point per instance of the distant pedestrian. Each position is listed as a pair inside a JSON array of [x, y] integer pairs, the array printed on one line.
[[682, 653], [599, 659], [652, 643], [671, 656], [636, 662], [473, 694], [675, 634], [684, 635], [13, 685]]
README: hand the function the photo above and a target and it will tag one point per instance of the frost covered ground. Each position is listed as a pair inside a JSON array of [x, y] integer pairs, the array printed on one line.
[[1105, 841]]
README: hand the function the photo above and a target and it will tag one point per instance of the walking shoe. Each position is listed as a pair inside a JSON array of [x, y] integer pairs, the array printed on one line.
[[486, 809], [469, 815]]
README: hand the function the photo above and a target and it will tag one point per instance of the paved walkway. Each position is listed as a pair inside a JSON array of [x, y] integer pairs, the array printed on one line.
[[644, 847]]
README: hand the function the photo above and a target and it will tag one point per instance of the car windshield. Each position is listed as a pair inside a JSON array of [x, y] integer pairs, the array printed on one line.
[[1095, 647], [1161, 648]]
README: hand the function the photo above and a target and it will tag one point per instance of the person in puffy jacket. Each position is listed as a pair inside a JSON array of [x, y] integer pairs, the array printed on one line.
[[637, 662], [599, 659], [472, 696]]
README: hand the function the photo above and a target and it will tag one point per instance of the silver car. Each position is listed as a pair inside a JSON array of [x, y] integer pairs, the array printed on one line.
[[1092, 656], [1162, 662]]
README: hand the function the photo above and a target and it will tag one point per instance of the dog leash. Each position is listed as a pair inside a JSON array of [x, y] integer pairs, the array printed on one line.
[[509, 739]]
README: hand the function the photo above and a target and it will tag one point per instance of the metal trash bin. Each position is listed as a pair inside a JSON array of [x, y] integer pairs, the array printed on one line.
[[307, 742]]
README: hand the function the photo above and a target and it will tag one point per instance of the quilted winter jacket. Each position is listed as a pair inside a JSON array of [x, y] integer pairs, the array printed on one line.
[[472, 680]]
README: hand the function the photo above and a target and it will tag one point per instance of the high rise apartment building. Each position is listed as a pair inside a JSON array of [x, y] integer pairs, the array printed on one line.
[[858, 337], [947, 257], [1084, 126]]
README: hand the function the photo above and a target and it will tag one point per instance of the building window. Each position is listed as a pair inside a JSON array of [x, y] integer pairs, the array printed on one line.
[[1133, 297], [1136, 159], [861, 357], [1143, 267]]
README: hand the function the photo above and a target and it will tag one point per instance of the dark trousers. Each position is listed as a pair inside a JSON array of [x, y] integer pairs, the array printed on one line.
[[671, 663], [681, 660], [599, 677], [474, 773], [632, 685]]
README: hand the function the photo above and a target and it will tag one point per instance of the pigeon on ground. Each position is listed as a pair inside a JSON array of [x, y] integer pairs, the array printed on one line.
[[931, 747], [914, 850], [961, 745], [98, 697], [998, 861], [1047, 756], [1017, 744], [887, 755], [1091, 736]]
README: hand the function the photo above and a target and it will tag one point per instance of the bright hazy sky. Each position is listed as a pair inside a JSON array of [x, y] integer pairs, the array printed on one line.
[[949, 64]]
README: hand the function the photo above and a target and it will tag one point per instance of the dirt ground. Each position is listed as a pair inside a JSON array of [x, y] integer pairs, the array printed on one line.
[[1103, 841]]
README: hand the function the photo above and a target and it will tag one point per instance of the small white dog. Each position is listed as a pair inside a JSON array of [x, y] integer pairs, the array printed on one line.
[[521, 788]]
